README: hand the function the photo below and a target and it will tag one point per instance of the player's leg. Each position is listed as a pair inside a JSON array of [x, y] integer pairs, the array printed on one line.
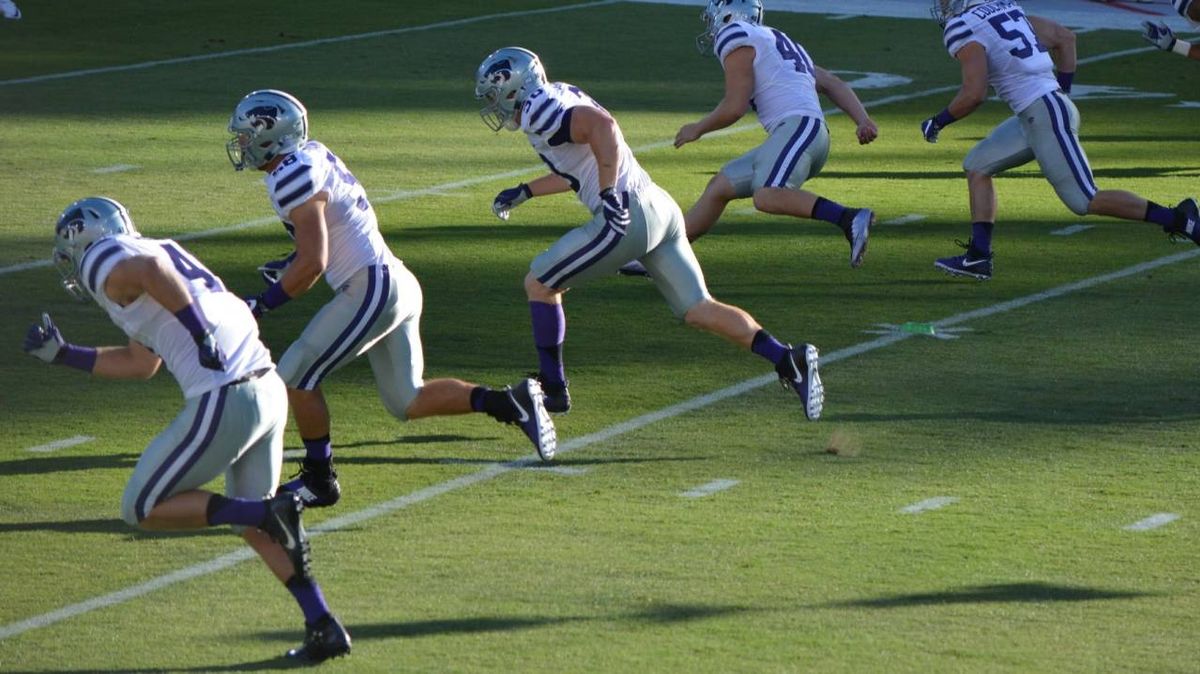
[[281, 542], [794, 153], [398, 363], [1065, 165], [362, 311], [678, 276], [1004, 148]]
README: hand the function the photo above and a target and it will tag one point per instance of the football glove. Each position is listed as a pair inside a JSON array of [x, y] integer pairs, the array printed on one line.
[[616, 210], [1159, 35], [930, 129], [509, 199], [44, 340], [273, 270]]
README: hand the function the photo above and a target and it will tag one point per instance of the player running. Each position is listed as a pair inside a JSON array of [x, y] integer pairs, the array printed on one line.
[[768, 71], [632, 218], [178, 313], [998, 45], [376, 308]]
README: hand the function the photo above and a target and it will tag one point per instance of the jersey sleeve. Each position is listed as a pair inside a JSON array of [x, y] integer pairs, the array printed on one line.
[[297, 179], [729, 38], [544, 112], [957, 35], [98, 262]]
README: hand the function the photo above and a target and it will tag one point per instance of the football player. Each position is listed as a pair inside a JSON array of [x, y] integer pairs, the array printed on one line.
[[376, 308], [178, 313], [768, 71], [584, 149], [997, 44], [1161, 36]]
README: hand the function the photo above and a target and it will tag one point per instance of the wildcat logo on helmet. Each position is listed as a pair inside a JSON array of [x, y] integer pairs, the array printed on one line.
[[70, 223], [500, 72], [266, 115]]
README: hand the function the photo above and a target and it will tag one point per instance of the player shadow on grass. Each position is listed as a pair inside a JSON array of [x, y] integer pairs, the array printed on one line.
[[106, 526], [366, 633], [61, 464], [1032, 174], [989, 594]]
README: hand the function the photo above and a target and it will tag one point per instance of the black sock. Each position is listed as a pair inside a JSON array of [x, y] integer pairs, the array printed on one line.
[[496, 404]]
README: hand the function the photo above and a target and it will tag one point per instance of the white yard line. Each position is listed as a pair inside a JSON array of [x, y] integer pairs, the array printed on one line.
[[929, 504], [905, 219], [297, 45], [495, 470], [116, 168], [1152, 522], [710, 488], [60, 444], [1073, 229]]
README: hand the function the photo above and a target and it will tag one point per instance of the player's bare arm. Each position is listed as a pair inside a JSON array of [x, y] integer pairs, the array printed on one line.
[[739, 87], [550, 183], [973, 62], [312, 246], [847, 101], [598, 130], [133, 361]]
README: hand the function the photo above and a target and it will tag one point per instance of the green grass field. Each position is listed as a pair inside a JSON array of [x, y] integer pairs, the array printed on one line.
[[1054, 423]]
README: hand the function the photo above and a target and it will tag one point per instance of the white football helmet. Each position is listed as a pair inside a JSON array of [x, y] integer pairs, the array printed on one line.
[[265, 124], [718, 13], [943, 10], [503, 81], [80, 225]]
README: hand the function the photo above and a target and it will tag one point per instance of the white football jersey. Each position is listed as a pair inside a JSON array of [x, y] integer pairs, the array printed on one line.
[[542, 121], [785, 83], [354, 238], [1019, 67], [147, 322]]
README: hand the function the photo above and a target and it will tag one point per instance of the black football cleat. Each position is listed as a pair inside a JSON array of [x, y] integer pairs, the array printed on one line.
[[316, 483], [284, 527], [798, 371], [324, 640]]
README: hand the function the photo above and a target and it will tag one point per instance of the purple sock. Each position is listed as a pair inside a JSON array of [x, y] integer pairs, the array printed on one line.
[[308, 595], [1160, 215], [318, 449], [549, 332], [768, 347], [246, 512], [828, 211], [981, 236]]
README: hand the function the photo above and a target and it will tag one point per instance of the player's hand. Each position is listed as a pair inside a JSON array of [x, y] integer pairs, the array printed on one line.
[[273, 270], [257, 308], [209, 354], [930, 129], [44, 340], [687, 133], [509, 199], [867, 132], [1159, 35], [616, 210]]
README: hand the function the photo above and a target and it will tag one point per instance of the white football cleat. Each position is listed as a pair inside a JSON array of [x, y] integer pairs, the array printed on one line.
[[9, 10]]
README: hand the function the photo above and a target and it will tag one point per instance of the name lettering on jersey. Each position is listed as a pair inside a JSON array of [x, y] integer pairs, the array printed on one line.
[[991, 8]]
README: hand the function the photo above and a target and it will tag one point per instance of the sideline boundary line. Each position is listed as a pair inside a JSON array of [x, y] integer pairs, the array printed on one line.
[[496, 470]]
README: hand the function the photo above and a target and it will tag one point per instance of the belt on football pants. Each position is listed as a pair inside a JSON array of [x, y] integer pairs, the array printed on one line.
[[251, 377]]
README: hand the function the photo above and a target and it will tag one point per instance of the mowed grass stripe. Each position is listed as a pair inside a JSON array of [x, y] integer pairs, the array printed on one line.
[[496, 470], [298, 45]]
